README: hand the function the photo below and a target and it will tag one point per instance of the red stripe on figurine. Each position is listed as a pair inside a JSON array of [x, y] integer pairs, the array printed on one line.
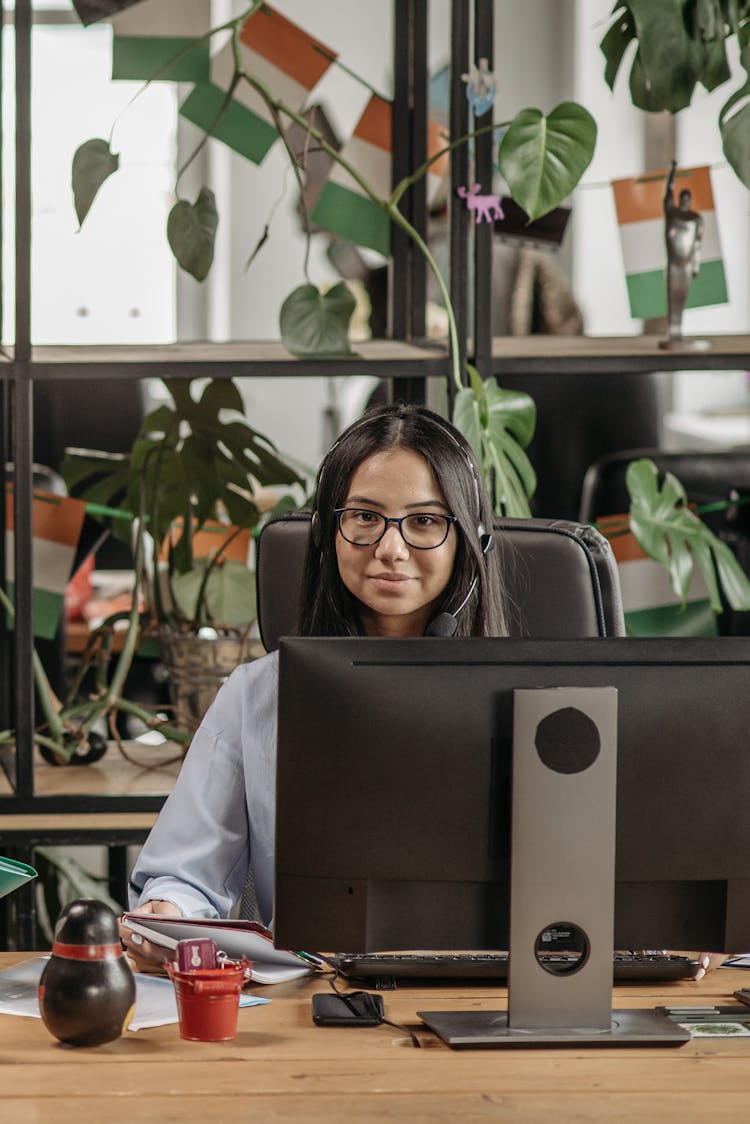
[[86, 951]]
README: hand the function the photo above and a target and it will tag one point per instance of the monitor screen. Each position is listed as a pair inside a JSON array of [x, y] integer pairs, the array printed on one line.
[[393, 791]]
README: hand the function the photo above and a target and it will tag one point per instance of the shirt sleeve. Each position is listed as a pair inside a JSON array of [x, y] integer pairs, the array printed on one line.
[[198, 853]]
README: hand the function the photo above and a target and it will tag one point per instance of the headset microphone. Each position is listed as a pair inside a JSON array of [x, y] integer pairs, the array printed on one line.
[[445, 624]]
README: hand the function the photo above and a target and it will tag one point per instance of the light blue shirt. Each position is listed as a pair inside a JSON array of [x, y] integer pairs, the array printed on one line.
[[221, 813]]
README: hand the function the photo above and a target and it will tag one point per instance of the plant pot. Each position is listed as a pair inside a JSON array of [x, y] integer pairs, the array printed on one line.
[[197, 665]]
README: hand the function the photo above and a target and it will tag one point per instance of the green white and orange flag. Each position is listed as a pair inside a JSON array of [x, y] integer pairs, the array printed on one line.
[[56, 528], [282, 56], [150, 35], [344, 207], [650, 605], [639, 202]]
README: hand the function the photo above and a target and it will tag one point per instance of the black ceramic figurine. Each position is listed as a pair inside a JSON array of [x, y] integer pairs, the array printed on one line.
[[87, 990]]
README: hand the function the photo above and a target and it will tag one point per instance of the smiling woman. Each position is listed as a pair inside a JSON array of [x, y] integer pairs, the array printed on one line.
[[396, 567], [397, 542]]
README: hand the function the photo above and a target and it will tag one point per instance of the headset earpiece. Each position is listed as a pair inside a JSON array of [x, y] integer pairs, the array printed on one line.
[[316, 531]]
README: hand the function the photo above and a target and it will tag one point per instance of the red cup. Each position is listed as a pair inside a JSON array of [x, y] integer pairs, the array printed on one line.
[[208, 1001]]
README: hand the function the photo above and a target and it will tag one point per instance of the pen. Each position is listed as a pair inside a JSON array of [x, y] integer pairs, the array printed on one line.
[[311, 958]]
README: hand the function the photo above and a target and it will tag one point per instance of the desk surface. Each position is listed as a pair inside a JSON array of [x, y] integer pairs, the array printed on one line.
[[283, 1068]]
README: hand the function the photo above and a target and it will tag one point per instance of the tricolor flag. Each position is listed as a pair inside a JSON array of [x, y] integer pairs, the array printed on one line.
[[282, 56], [149, 35], [56, 523], [650, 604], [344, 207], [639, 202]]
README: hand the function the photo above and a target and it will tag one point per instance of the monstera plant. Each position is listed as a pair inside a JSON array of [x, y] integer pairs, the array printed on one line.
[[681, 45]]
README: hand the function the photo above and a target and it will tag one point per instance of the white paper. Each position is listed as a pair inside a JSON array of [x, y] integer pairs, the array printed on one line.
[[155, 1002]]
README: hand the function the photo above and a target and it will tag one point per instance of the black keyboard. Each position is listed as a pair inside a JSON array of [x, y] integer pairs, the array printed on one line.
[[387, 968]]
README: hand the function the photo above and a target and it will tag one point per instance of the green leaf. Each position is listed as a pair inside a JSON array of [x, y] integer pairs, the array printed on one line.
[[498, 424], [716, 69], [543, 158], [614, 44], [315, 323], [673, 535], [669, 60], [734, 125], [191, 231], [93, 163], [230, 595]]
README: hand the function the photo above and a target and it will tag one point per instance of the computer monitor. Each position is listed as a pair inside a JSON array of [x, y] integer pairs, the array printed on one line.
[[394, 783]]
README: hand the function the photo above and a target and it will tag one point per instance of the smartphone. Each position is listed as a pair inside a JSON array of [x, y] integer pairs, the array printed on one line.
[[743, 994], [358, 1009]]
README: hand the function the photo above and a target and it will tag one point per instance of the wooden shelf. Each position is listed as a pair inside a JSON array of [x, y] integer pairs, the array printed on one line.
[[269, 359], [537, 354], [612, 354]]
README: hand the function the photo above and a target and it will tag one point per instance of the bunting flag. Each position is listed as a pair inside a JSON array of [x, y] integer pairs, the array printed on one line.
[[90, 11], [650, 604], [56, 527], [343, 207], [162, 40], [639, 202], [282, 56]]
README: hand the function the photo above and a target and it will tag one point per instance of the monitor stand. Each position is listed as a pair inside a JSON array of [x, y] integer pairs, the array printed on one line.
[[562, 885]]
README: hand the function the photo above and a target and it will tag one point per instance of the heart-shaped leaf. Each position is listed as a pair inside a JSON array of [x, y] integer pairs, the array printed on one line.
[[93, 162], [191, 230], [315, 323], [543, 158]]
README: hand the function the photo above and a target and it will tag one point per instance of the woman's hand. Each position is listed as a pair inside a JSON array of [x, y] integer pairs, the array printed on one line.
[[143, 955]]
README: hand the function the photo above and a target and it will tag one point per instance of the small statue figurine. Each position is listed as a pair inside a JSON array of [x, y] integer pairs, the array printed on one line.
[[683, 232]]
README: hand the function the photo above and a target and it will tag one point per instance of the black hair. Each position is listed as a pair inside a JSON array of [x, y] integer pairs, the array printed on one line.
[[328, 609]]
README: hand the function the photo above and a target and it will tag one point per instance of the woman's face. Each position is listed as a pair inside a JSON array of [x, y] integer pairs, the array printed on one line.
[[396, 585]]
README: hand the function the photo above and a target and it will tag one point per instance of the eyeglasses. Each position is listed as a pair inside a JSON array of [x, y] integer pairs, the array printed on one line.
[[423, 530]]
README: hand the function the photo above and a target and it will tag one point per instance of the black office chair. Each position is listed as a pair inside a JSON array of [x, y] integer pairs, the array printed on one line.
[[561, 578], [717, 477]]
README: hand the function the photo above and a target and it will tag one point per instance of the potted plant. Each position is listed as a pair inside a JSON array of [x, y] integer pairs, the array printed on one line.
[[187, 493]]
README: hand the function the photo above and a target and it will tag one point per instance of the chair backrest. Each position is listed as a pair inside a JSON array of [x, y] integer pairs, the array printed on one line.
[[561, 578]]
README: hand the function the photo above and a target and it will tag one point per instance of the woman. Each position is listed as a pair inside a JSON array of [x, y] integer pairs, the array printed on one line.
[[398, 547]]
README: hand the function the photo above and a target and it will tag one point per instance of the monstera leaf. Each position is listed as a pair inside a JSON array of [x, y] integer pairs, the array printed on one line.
[[676, 537], [228, 599], [681, 44], [499, 424], [543, 158]]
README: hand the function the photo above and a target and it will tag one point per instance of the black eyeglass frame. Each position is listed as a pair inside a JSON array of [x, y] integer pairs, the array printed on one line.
[[398, 520]]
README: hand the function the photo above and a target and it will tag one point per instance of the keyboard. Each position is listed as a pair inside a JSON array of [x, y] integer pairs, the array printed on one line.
[[389, 968]]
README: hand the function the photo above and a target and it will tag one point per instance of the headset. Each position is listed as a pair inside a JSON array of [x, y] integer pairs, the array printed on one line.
[[444, 624]]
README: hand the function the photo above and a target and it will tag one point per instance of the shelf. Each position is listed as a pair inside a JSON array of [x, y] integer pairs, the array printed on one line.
[[537, 354], [268, 358], [612, 355]]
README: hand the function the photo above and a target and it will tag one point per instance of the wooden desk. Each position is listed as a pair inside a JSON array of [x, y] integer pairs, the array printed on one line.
[[283, 1068]]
